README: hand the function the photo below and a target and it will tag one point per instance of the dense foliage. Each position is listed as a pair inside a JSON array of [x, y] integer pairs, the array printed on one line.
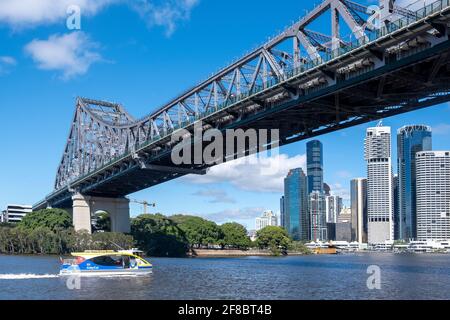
[[159, 236], [50, 231], [53, 219], [275, 239], [199, 232], [235, 236]]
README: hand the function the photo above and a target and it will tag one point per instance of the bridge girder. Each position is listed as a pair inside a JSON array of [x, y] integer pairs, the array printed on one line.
[[104, 139]]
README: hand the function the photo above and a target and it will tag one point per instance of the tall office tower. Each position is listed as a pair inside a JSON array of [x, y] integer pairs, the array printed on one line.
[[433, 195], [380, 197], [358, 199], [410, 140], [296, 219], [395, 181], [314, 164], [282, 213], [318, 216], [333, 206]]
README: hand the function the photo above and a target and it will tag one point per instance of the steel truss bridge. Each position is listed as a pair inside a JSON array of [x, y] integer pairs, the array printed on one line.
[[303, 82]]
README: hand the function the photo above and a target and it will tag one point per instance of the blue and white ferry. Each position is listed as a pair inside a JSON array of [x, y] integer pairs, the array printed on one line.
[[106, 262]]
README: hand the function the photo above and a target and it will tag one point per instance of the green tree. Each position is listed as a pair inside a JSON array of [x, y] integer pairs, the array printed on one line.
[[235, 236], [159, 236], [102, 222], [199, 232], [53, 219], [274, 238]]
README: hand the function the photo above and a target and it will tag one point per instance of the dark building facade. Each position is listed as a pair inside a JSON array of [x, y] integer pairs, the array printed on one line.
[[314, 164], [410, 140], [295, 205]]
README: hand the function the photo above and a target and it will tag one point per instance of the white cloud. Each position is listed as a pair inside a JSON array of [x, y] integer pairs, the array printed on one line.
[[72, 54], [166, 15], [441, 129], [338, 189], [6, 63], [253, 173], [216, 195], [233, 215], [31, 13]]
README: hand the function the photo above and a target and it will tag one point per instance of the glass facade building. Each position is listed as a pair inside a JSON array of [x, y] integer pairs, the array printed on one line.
[[295, 205], [410, 141], [314, 164]]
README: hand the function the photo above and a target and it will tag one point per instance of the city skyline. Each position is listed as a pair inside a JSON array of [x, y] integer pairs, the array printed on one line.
[[131, 54]]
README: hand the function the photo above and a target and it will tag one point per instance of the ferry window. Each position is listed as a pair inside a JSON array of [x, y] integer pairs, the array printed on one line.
[[107, 261]]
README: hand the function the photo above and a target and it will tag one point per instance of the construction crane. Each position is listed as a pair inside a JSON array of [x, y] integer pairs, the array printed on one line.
[[144, 203]]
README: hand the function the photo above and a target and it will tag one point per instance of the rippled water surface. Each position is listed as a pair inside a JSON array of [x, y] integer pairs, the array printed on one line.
[[306, 277]]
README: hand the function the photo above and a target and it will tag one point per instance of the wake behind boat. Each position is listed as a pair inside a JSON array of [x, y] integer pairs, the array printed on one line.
[[106, 262]]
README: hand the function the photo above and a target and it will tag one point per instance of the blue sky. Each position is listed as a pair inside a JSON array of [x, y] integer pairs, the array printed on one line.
[[141, 54]]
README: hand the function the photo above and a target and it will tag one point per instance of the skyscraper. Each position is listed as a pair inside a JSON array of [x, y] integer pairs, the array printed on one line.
[[318, 219], [267, 219], [358, 199], [396, 208], [333, 206], [314, 164], [410, 140], [282, 214], [433, 195], [379, 184], [296, 220]]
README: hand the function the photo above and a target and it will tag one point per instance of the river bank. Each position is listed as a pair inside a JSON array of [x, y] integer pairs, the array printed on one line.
[[204, 253]]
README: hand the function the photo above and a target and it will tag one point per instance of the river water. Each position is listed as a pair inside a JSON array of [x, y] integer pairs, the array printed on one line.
[[306, 277]]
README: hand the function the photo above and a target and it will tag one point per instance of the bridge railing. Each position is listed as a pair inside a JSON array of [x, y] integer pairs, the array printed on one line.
[[290, 73]]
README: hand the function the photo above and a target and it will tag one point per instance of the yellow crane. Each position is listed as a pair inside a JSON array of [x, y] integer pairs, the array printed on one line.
[[144, 203]]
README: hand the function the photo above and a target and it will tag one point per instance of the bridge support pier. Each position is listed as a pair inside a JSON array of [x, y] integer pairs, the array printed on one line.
[[84, 207]]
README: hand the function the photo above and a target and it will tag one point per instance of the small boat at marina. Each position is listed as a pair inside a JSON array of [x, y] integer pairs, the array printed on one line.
[[106, 262]]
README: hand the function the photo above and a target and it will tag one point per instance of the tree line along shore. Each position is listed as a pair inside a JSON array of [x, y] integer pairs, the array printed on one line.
[[50, 231]]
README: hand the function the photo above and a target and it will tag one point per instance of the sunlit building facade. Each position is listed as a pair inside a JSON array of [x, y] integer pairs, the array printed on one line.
[[433, 195], [318, 216], [380, 195]]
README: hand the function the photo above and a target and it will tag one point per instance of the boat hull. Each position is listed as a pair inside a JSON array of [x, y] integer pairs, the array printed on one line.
[[100, 273]]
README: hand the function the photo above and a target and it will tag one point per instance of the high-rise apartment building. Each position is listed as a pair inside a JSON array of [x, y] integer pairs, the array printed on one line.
[[296, 217], [314, 164], [333, 206], [358, 199], [267, 219], [410, 140], [318, 219], [433, 195], [379, 184]]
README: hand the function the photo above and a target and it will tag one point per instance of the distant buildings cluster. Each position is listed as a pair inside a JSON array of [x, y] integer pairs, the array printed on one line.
[[412, 205], [14, 213]]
